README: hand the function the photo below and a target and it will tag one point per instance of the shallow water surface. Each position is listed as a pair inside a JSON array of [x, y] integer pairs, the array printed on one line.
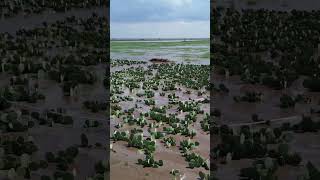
[[278, 5], [181, 51]]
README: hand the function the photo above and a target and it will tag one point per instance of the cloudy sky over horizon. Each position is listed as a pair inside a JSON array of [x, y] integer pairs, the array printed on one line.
[[160, 18]]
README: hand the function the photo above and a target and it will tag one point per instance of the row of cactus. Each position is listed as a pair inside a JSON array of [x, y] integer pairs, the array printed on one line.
[[189, 106]]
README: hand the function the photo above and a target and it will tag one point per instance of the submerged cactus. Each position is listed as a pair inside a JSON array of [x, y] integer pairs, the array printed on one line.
[[12, 175], [25, 160]]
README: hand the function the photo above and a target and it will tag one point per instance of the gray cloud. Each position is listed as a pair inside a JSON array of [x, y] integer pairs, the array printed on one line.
[[160, 18], [159, 10]]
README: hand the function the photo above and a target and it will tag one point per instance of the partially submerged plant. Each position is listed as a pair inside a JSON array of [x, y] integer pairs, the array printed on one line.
[[120, 136], [187, 145], [169, 141], [150, 162], [196, 161]]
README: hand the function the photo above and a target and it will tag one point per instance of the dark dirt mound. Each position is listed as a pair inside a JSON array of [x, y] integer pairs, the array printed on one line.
[[159, 60]]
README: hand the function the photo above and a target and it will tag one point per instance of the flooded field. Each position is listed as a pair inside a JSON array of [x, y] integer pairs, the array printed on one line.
[[264, 100], [52, 105], [194, 51], [278, 5], [160, 120]]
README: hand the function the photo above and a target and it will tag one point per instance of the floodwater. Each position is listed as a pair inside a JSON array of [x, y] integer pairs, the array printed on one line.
[[196, 51], [32, 21], [268, 108], [63, 136], [278, 5], [124, 159]]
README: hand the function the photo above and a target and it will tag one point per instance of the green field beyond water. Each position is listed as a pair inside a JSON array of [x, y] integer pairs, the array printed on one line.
[[186, 51]]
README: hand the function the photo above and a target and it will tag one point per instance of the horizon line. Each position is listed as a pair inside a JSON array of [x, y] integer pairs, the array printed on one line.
[[159, 38]]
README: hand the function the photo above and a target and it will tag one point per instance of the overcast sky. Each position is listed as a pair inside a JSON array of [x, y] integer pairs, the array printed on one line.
[[160, 18]]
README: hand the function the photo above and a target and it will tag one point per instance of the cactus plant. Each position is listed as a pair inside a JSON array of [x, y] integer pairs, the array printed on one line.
[[150, 162]]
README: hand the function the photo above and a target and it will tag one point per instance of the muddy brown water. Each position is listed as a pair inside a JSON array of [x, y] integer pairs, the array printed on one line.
[[59, 137], [11, 25], [124, 159], [279, 5], [306, 144], [268, 108]]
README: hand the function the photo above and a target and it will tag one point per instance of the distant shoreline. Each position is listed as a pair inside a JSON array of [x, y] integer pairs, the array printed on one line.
[[157, 39]]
